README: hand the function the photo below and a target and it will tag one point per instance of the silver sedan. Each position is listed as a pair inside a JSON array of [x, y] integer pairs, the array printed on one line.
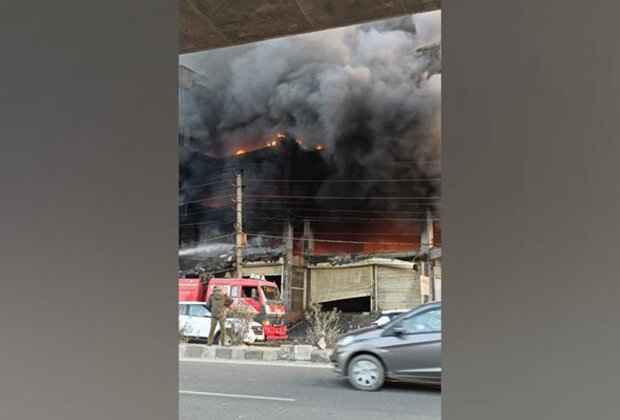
[[407, 348]]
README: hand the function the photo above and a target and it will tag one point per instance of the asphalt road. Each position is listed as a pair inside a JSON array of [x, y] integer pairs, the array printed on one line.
[[217, 390]]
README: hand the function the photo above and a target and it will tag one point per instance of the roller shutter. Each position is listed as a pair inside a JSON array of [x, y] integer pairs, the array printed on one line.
[[330, 284], [397, 288]]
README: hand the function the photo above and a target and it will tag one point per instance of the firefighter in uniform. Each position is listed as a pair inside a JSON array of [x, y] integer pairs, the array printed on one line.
[[217, 304]]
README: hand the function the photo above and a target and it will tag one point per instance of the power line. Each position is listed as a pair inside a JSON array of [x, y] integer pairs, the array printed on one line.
[[216, 238], [282, 199], [191, 234], [334, 241], [319, 219], [222, 208], [190, 239], [417, 234], [339, 198], [319, 215], [208, 223], [343, 180], [215, 175], [204, 199], [275, 218], [282, 206], [236, 164], [266, 206], [286, 203], [186, 187]]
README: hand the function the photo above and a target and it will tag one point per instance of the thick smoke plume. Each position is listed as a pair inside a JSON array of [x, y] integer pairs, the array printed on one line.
[[362, 89], [364, 93]]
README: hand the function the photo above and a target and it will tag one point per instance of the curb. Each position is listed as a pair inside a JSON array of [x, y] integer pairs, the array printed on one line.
[[288, 353]]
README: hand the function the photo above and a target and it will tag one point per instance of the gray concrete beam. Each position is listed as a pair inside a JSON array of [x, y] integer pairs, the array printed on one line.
[[210, 24]]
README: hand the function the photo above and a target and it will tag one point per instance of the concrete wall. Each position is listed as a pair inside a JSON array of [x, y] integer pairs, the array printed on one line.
[[298, 288], [263, 269]]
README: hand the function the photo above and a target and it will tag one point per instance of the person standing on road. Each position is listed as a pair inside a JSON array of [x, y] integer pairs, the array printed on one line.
[[217, 304]]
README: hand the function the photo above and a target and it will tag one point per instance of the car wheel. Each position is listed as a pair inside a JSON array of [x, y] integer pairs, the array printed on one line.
[[366, 373], [229, 340]]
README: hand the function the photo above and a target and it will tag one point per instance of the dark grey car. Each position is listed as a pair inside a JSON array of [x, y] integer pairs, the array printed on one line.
[[407, 348]]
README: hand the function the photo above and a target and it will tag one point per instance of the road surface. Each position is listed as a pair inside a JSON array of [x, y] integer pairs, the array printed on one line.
[[242, 390]]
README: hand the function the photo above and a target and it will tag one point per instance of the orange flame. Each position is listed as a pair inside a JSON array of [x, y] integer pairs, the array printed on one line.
[[319, 147], [382, 237], [280, 135], [240, 152]]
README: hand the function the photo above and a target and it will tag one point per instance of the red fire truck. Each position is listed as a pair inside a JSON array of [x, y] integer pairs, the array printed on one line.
[[263, 296]]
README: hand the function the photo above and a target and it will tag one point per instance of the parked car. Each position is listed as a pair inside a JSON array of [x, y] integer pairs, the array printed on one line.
[[408, 348], [387, 316], [195, 321]]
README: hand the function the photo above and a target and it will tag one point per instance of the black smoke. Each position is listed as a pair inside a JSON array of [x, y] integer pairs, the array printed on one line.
[[365, 93]]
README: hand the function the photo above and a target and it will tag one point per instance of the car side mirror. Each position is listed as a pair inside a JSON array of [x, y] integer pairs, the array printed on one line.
[[398, 331]]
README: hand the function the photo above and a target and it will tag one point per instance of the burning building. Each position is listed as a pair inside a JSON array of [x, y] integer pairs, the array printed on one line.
[[289, 184], [338, 138]]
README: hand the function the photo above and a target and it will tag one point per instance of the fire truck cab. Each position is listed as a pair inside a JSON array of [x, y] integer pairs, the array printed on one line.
[[261, 295]]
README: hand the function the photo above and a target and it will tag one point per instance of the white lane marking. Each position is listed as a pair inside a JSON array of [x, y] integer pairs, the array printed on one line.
[[258, 362], [252, 397]]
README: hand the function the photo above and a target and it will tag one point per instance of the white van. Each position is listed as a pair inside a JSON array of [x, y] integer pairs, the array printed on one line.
[[195, 321]]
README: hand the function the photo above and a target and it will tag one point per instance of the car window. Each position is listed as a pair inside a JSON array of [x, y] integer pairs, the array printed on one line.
[[428, 321], [249, 292], [234, 292], [182, 309], [198, 310]]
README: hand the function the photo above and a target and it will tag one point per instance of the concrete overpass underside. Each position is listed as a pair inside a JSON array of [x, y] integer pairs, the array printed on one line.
[[209, 24]]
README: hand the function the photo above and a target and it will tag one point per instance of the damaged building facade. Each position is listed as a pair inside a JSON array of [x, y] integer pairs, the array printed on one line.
[[349, 282]]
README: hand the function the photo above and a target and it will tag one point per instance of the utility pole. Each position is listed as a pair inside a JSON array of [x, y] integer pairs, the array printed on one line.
[[431, 264], [426, 245], [287, 269], [307, 240], [308, 251], [239, 235]]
